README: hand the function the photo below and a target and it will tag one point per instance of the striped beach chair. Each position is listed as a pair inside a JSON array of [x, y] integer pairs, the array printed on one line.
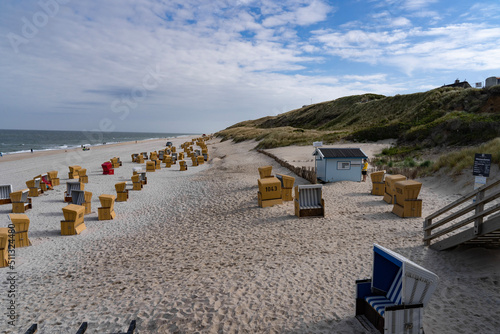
[[308, 201], [5, 190], [394, 298]]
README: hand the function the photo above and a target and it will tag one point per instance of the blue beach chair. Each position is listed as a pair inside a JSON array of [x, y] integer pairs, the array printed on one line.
[[394, 298]]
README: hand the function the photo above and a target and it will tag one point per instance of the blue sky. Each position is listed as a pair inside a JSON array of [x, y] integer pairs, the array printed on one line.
[[202, 65]]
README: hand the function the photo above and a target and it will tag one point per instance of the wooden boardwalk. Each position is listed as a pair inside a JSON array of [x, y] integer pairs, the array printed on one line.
[[473, 221]]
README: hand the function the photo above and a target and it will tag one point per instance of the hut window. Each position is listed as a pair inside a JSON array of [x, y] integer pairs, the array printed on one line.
[[343, 165]]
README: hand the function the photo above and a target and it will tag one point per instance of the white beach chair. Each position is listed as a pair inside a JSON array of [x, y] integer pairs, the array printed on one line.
[[308, 201], [394, 298], [5, 190]]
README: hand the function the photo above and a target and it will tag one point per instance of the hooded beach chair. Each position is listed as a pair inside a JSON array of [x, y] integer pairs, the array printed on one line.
[[161, 154], [107, 168], [390, 190], [265, 171], [73, 222], [134, 156], [5, 190], [34, 187], [394, 298], [286, 186], [21, 224], [144, 155], [308, 201], [106, 211], [54, 180], [121, 191], [378, 184], [73, 172], [20, 201], [70, 186], [83, 198]]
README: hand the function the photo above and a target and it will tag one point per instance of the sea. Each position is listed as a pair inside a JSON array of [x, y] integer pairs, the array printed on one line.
[[21, 141]]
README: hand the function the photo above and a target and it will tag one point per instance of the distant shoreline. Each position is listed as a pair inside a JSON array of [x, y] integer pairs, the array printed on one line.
[[27, 155]]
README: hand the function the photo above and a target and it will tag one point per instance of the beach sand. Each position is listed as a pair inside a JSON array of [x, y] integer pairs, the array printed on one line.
[[192, 252]]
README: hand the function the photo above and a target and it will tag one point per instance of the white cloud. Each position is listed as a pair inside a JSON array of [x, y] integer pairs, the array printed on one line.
[[314, 12]]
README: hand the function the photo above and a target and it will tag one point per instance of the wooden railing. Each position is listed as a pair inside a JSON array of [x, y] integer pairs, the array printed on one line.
[[477, 218]]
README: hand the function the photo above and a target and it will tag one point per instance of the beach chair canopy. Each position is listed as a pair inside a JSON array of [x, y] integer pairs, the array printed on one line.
[[72, 185], [77, 197], [5, 190], [410, 283]]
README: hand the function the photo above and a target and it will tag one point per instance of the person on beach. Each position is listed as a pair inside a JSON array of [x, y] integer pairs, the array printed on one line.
[[31, 150], [364, 170]]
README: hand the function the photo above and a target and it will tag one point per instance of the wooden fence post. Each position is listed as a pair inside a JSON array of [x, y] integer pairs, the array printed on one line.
[[427, 233], [479, 208]]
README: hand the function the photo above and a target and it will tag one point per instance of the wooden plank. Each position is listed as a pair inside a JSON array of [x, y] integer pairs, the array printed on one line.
[[490, 226], [479, 208], [463, 211], [461, 200], [464, 222]]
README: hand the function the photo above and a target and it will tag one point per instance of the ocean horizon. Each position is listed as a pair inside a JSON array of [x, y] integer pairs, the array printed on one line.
[[22, 141]]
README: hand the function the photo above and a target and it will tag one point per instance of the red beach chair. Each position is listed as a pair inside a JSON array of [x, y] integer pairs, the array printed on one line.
[[107, 168]]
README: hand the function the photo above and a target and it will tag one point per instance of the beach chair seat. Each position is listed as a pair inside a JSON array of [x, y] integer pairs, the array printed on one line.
[[174, 157], [107, 168], [21, 224], [20, 201], [398, 290], [120, 163], [308, 201], [161, 154], [5, 190], [144, 155], [134, 156]]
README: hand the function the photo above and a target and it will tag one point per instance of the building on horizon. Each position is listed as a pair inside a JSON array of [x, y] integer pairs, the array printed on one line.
[[492, 81], [458, 84]]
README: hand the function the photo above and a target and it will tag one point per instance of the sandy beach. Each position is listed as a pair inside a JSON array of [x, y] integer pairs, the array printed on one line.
[[193, 253]]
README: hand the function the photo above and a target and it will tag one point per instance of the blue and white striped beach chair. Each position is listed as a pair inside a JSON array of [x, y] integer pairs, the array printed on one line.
[[394, 298], [5, 190]]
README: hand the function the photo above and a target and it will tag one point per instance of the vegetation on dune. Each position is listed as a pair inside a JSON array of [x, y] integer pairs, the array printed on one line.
[[278, 137], [442, 117]]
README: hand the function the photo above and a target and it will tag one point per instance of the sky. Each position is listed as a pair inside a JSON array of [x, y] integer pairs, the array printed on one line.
[[199, 66]]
